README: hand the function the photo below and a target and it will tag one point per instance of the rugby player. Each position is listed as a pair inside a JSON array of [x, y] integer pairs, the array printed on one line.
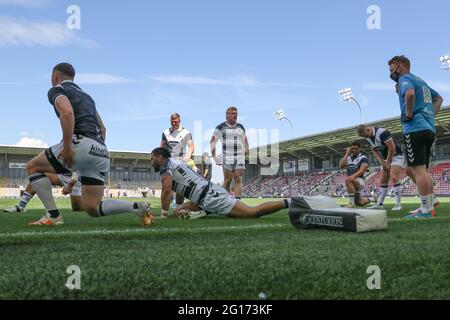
[[82, 150], [357, 165], [176, 176], [178, 141], [419, 104], [234, 150], [390, 156]]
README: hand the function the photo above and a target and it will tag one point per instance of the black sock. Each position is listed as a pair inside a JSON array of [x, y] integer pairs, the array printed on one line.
[[53, 214]]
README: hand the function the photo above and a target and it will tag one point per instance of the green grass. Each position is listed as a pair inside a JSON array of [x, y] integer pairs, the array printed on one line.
[[220, 258]]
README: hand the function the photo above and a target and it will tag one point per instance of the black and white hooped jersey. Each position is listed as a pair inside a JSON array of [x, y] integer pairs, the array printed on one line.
[[176, 141], [185, 181], [232, 138], [355, 163], [84, 110], [378, 141]]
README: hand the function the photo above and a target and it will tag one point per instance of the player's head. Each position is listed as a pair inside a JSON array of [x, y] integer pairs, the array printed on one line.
[[398, 66], [62, 72], [232, 115], [365, 131], [175, 121], [158, 156], [355, 148]]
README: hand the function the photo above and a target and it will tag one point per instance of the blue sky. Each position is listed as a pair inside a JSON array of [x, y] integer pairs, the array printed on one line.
[[143, 60]]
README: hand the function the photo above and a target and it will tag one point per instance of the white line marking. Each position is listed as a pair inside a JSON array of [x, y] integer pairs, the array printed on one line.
[[151, 230], [142, 230]]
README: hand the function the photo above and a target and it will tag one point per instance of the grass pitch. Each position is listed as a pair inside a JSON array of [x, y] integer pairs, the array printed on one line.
[[220, 258]]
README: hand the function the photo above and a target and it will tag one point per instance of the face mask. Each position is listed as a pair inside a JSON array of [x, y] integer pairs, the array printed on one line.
[[395, 76]]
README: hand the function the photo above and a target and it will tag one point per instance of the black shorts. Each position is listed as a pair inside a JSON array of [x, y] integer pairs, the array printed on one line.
[[418, 147]]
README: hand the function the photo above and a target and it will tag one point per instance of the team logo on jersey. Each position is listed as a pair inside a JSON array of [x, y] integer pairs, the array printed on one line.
[[99, 152]]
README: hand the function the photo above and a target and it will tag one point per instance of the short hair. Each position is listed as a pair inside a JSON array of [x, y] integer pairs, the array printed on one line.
[[161, 152], [66, 69], [400, 60], [356, 144], [232, 109], [175, 116], [362, 130]]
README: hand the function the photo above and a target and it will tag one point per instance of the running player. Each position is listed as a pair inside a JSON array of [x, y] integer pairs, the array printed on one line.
[[213, 199], [71, 186], [234, 150], [390, 156], [82, 150], [357, 165]]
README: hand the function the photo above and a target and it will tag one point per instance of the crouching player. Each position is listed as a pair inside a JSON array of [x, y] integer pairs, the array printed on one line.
[[390, 156], [357, 165], [203, 195]]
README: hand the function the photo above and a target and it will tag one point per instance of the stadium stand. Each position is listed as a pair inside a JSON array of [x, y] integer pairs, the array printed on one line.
[[317, 158]]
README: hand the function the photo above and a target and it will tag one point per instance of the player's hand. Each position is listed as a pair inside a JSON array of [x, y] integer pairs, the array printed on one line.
[[218, 160], [67, 156], [347, 153], [386, 166], [67, 189], [186, 159]]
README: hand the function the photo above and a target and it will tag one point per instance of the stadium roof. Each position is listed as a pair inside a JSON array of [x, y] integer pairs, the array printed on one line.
[[33, 151], [336, 141]]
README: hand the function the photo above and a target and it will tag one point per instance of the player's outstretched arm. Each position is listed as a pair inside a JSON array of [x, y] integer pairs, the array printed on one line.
[[166, 193]]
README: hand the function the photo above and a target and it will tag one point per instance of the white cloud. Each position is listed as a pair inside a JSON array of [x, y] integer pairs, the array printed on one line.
[[240, 80], [100, 78], [24, 33], [31, 142], [24, 3]]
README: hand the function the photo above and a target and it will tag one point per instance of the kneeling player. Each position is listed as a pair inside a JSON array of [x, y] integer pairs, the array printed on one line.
[[390, 156], [82, 150], [178, 177], [71, 187], [357, 165]]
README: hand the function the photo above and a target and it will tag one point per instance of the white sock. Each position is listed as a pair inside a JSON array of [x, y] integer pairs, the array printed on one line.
[[426, 204], [383, 194], [42, 186], [113, 207], [351, 198], [398, 194], [432, 197], [25, 199]]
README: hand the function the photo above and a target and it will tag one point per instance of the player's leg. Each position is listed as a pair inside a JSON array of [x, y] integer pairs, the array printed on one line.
[[359, 186], [228, 175], [384, 187], [395, 174], [46, 162], [77, 203], [238, 178], [28, 194], [241, 210], [419, 146], [93, 168], [351, 192]]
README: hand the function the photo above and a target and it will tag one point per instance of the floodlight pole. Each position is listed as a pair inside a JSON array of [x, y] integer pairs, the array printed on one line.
[[360, 109], [281, 116]]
